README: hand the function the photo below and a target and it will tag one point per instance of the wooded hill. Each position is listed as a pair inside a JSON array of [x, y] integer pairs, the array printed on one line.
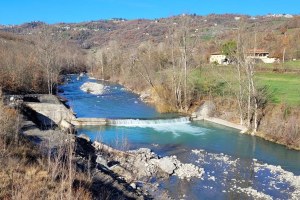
[[212, 31]]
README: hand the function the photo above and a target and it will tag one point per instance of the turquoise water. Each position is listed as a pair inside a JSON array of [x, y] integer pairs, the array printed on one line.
[[198, 135], [116, 102], [231, 158]]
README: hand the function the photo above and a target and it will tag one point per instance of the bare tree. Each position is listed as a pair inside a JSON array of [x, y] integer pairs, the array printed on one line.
[[48, 51]]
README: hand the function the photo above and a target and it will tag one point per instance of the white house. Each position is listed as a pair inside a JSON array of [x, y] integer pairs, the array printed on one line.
[[260, 54], [257, 54], [218, 58]]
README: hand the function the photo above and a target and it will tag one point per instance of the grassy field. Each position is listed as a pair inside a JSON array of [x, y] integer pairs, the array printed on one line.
[[289, 65], [285, 88]]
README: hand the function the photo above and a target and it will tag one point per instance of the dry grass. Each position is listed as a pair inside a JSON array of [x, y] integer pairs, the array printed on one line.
[[278, 122], [281, 124], [28, 173]]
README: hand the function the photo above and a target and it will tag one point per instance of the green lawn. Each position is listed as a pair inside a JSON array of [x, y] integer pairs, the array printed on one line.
[[285, 88], [287, 65]]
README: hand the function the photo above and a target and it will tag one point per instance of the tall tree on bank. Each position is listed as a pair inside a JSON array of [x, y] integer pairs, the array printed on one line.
[[252, 98], [181, 45], [49, 58]]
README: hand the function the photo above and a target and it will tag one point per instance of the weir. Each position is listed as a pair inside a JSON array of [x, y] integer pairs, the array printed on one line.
[[146, 122], [127, 122], [89, 122]]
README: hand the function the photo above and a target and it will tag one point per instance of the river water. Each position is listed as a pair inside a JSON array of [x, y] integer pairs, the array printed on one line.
[[236, 166]]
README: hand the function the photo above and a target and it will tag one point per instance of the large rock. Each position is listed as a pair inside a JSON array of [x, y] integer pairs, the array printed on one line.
[[206, 110], [126, 174], [85, 137], [102, 161], [93, 88], [167, 164]]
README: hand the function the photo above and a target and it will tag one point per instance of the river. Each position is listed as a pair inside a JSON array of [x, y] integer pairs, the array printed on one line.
[[236, 166]]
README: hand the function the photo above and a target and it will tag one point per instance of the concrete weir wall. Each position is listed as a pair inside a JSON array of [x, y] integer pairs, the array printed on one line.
[[55, 112], [50, 111], [49, 114], [89, 122], [242, 128]]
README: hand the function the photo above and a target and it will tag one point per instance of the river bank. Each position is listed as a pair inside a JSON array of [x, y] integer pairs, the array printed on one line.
[[105, 183], [221, 119], [180, 139], [128, 171]]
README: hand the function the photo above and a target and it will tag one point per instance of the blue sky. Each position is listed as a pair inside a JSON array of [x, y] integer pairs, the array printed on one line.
[[54, 11]]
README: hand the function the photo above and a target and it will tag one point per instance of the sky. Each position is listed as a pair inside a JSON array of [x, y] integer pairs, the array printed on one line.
[[56, 11]]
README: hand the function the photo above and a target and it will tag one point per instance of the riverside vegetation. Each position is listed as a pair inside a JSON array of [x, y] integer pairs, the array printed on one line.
[[166, 59]]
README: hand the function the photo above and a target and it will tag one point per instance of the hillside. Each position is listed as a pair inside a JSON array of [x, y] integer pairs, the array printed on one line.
[[211, 29]]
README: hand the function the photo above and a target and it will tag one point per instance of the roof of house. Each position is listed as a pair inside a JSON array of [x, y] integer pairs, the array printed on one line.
[[251, 51], [216, 53]]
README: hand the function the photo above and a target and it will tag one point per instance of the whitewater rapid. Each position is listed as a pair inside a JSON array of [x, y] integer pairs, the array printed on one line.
[[176, 126]]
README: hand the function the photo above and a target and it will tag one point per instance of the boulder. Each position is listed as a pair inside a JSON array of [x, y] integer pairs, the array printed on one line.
[[93, 88], [133, 185], [127, 175], [83, 136], [100, 160], [206, 110], [167, 165]]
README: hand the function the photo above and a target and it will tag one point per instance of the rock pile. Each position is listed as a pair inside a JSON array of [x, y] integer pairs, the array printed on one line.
[[93, 88], [135, 167], [143, 164]]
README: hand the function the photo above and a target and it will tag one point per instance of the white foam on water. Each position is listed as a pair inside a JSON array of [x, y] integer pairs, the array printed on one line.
[[179, 128], [176, 126]]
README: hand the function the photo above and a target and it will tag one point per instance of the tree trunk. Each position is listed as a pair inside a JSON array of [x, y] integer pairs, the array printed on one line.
[[185, 71], [254, 93]]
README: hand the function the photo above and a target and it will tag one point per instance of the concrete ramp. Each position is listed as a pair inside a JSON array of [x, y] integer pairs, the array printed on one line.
[[49, 113]]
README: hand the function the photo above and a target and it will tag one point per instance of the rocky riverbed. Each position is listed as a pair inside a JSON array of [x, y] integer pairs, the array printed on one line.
[[126, 169], [138, 166], [86, 155], [273, 179]]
